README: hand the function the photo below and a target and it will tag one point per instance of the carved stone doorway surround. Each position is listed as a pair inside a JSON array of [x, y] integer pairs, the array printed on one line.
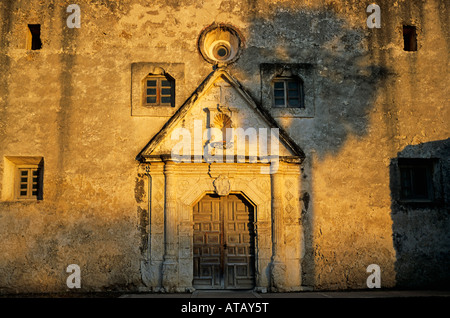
[[176, 187]]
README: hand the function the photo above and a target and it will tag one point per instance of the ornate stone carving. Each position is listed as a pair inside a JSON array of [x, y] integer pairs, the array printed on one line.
[[222, 185], [184, 184], [221, 121], [263, 186], [288, 196], [289, 208], [288, 183]]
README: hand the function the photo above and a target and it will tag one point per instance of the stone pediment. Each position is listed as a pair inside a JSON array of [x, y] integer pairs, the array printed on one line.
[[220, 105]]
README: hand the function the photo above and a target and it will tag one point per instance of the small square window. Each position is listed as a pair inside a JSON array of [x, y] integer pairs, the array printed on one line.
[[288, 92], [159, 91], [29, 185], [416, 180], [409, 38]]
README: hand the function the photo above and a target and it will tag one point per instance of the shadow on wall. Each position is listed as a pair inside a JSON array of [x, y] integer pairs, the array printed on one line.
[[345, 81], [419, 183]]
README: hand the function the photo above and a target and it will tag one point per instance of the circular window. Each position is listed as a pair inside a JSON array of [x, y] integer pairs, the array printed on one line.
[[220, 44]]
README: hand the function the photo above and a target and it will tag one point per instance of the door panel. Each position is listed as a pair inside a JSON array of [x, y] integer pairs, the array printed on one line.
[[223, 243], [239, 248], [207, 244]]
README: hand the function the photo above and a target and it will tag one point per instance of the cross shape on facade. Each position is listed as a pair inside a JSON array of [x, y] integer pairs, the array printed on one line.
[[221, 86]]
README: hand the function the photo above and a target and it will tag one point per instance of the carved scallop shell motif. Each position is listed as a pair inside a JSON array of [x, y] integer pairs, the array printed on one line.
[[222, 121]]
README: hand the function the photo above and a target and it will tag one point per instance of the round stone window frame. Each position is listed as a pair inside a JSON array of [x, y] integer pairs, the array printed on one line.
[[219, 36]]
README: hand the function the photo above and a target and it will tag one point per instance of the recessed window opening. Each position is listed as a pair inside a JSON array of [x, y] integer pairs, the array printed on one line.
[[409, 38], [416, 177], [288, 92], [22, 178], [34, 37]]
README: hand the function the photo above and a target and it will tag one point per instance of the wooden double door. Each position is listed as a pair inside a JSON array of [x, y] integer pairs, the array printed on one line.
[[224, 243]]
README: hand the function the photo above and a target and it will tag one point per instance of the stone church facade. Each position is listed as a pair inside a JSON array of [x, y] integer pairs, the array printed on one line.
[[169, 146]]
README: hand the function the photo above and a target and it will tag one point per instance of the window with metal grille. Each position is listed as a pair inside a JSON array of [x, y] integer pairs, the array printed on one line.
[[29, 185], [288, 92], [159, 91]]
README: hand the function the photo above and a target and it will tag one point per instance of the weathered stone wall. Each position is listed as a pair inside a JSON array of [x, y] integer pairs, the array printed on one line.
[[353, 219], [70, 103], [420, 231]]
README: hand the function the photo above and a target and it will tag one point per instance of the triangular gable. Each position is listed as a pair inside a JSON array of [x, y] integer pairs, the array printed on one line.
[[219, 77]]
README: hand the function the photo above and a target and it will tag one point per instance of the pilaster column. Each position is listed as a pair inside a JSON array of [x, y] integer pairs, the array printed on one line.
[[170, 264], [278, 268], [171, 216]]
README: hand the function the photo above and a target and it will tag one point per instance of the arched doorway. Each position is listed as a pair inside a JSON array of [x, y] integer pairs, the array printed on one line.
[[224, 243]]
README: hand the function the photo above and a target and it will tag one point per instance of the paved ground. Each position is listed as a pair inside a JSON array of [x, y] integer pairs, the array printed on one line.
[[331, 294], [249, 294]]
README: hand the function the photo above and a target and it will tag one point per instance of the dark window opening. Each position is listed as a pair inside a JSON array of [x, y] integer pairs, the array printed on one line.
[[416, 179], [35, 42], [288, 92], [159, 91], [409, 38]]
